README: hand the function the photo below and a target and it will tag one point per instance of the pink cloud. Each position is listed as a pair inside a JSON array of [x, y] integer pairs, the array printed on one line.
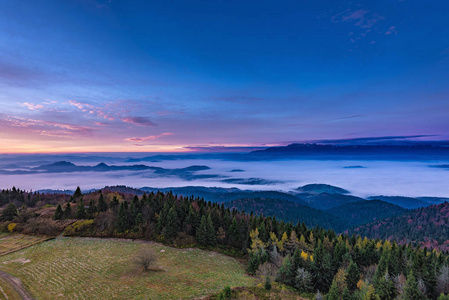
[[47, 127], [32, 106], [148, 138]]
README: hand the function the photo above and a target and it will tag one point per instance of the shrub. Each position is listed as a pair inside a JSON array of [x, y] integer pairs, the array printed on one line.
[[145, 258], [12, 227], [80, 228]]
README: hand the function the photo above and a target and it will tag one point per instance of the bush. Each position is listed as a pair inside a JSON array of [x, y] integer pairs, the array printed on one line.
[[80, 228], [41, 227], [145, 259], [12, 227]]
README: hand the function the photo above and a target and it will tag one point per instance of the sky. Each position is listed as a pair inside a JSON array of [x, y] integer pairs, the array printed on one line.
[[172, 76]]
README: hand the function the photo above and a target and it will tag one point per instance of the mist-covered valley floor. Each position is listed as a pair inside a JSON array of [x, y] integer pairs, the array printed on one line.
[[361, 177]]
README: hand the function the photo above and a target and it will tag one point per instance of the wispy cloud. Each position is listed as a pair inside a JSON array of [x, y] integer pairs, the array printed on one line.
[[361, 18], [32, 106], [148, 138], [140, 121], [391, 30], [48, 128]]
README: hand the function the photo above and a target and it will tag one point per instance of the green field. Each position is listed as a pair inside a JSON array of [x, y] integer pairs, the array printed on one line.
[[87, 268], [13, 242]]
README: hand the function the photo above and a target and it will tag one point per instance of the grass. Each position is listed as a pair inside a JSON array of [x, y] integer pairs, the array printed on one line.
[[87, 268], [13, 242], [7, 292]]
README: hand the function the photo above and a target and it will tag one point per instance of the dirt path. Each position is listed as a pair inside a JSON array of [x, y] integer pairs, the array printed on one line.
[[16, 284]]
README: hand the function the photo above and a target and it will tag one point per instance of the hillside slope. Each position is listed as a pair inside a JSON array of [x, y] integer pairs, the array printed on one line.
[[362, 212], [288, 211], [427, 226]]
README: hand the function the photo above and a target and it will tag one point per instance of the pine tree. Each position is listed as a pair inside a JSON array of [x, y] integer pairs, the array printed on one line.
[[59, 213], [234, 233], [303, 280], [205, 234], [68, 211], [211, 234], [346, 294], [411, 290], [91, 210], [171, 229], [333, 294], [77, 193], [385, 287], [80, 210], [102, 205], [253, 264], [122, 218], [353, 276], [285, 273]]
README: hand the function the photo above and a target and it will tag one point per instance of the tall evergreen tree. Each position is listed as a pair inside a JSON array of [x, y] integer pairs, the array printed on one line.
[[353, 276], [411, 290], [59, 213], [122, 218], [102, 205], [68, 211], [77, 193], [80, 210], [171, 228]]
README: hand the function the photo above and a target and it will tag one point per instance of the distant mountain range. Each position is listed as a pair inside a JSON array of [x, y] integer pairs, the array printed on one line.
[[409, 151]]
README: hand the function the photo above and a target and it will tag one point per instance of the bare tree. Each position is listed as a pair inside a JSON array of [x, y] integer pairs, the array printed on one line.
[[145, 258], [443, 280]]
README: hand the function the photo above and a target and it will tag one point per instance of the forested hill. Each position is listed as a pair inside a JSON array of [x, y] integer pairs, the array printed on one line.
[[288, 211], [362, 212], [313, 260], [427, 226]]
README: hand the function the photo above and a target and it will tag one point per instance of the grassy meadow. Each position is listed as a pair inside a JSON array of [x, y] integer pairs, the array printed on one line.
[[88, 268], [13, 242]]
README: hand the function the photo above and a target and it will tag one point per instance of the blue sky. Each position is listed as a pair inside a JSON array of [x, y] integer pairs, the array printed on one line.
[[112, 75]]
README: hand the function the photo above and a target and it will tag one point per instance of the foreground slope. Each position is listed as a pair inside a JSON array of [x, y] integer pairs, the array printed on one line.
[[68, 268]]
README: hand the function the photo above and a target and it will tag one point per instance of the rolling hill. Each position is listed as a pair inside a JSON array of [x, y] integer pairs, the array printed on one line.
[[362, 212], [288, 211], [427, 226]]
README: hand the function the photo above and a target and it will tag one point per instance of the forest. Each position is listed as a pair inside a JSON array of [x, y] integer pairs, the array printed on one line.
[[312, 260]]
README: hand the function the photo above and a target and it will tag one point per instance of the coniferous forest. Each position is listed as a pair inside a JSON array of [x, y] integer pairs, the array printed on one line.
[[312, 260]]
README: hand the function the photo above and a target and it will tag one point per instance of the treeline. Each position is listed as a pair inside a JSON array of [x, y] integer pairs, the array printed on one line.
[[30, 199], [312, 260]]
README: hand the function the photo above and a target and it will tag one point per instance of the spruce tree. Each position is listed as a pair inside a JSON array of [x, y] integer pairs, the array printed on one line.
[[102, 205], [59, 213], [91, 210], [171, 228], [122, 218], [411, 290], [77, 193], [68, 211], [80, 210], [285, 273], [333, 294], [353, 276]]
